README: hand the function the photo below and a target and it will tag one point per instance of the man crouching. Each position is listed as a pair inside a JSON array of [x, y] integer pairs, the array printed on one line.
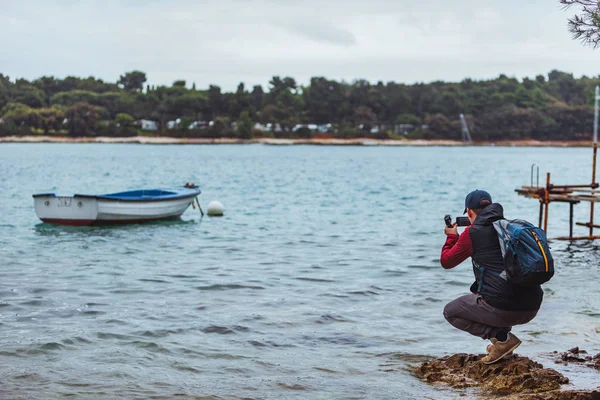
[[494, 305]]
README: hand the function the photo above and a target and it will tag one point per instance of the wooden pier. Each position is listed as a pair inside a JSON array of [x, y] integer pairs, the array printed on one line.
[[572, 194]]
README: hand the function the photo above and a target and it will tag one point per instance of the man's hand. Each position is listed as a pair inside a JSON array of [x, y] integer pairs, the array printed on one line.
[[451, 231]]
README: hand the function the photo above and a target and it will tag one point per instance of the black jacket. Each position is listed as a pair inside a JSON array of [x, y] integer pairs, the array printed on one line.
[[494, 288]]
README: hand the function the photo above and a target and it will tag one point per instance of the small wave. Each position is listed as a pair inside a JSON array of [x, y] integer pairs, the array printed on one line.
[[589, 313], [75, 340], [221, 330], [344, 340], [292, 386], [329, 371], [269, 343], [328, 319], [456, 283], [302, 278], [241, 328], [153, 280], [51, 346], [127, 291], [230, 286], [96, 304], [92, 312], [224, 356], [150, 346], [108, 335], [336, 295], [30, 377], [76, 384], [187, 368], [395, 272], [365, 293], [256, 343], [35, 303], [431, 299], [179, 276], [159, 333], [11, 354], [42, 348], [423, 266], [116, 322]]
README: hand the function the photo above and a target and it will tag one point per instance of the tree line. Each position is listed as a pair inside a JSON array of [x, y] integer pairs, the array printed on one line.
[[556, 106]]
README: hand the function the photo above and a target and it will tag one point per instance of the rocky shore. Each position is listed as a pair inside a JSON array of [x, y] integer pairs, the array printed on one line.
[[514, 378]]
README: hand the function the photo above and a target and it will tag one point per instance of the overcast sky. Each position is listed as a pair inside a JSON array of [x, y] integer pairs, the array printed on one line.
[[225, 42]]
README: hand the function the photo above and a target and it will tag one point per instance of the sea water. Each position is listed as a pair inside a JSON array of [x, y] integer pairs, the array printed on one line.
[[322, 280]]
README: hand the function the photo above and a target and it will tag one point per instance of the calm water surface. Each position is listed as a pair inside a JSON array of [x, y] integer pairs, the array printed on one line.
[[321, 281]]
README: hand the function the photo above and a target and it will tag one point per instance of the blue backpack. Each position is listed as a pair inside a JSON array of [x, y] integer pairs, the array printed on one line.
[[527, 258]]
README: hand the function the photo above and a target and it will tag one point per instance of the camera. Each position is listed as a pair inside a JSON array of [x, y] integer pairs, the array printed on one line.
[[460, 221]]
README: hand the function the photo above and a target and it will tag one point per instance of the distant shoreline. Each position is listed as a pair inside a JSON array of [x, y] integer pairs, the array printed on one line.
[[283, 142]]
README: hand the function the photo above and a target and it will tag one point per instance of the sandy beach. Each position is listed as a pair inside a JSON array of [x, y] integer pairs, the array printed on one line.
[[283, 142]]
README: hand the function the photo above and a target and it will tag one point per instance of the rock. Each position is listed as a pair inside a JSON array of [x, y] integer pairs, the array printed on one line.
[[514, 378], [575, 355], [511, 375], [558, 395]]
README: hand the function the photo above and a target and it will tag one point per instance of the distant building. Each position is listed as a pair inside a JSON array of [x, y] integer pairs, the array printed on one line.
[[323, 128], [147, 125], [274, 128], [173, 124], [198, 125], [403, 129]]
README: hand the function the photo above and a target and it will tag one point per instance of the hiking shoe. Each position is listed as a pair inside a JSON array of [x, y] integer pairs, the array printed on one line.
[[490, 346], [499, 350]]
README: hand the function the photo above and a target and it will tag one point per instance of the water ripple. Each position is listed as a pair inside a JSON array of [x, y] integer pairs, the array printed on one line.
[[323, 273]]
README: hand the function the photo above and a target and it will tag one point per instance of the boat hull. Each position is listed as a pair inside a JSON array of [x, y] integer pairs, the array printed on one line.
[[66, 210], [80, 210], [129, 212]]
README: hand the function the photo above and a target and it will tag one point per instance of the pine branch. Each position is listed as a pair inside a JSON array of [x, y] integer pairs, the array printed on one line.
[[586, 25]]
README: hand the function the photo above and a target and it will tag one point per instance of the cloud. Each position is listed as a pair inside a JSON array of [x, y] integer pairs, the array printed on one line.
[[228, 41], [321, 31]]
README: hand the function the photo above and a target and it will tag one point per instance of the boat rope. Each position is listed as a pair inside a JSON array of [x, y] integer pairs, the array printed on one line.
[[191, 185], [200, 208]]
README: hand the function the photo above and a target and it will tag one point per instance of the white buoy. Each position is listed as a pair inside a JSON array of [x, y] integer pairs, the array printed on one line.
[[215, 209]]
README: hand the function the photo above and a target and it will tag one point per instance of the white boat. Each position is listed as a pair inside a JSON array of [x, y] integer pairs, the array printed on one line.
[[132, 206]]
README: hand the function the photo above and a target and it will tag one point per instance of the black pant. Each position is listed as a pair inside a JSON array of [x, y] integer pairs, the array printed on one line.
[[471, 314]]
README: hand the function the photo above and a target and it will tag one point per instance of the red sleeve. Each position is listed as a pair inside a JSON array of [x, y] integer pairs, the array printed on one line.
[[456, 249]]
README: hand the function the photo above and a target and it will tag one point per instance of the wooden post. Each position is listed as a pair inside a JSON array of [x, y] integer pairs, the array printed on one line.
[[547, 202], [571, 220], [541, 213]]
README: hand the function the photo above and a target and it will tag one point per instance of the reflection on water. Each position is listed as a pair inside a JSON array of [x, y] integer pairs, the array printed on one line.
[[50, 229]]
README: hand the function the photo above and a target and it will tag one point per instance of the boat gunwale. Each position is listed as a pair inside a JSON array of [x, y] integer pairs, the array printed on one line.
[[103, 197]]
